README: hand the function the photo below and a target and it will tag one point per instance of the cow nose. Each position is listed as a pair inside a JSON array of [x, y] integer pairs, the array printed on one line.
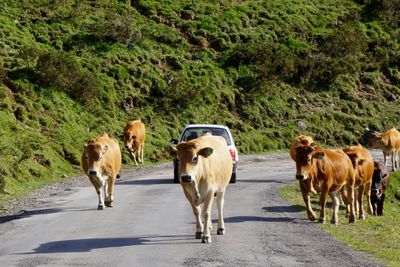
[[127, 147], [375, 191], [299, 176], [93, 172], [186, 178]]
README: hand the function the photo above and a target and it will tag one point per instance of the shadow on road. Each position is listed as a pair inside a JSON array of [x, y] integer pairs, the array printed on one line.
[[290, 208], [89, 244], [27, 213], [147, 181], [263, 181], [240, 219]]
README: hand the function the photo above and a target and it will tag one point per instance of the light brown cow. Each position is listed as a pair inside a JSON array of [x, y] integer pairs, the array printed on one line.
[[389, 143], [101, 162], [329, 171], [363, 164], [134, 137], [205, 168], [302, 140]]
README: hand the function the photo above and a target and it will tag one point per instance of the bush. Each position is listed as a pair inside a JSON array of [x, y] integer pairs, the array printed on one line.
[[63, 71]]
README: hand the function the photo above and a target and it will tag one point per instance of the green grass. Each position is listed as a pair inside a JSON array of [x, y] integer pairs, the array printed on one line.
[[378, 236]]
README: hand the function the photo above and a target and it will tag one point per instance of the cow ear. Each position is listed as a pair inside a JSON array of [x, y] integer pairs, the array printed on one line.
[[172, 150], [85, 145], [319, 155], [205, 152], [361, 161]]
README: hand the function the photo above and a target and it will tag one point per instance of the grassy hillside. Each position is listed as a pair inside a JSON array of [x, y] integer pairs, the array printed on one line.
[[270, 70]]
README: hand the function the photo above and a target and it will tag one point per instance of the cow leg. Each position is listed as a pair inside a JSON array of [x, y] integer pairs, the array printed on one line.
[[335, 205], [350, 191], [345, 199], [393, 158], [367, 190], [110, 189], [379, 209], [133, 155], [322, 203], [100, 193], [207, 218], [141, 154], [384, 159], [197, 214], [360, 202], [306, 198], [220, 209]]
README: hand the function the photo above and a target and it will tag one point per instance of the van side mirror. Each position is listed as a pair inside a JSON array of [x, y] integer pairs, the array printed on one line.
[[174, 141]]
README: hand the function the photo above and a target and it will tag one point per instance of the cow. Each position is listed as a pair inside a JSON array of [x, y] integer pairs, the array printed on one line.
[[101, 162], [302, 140], [389, 143], [134, 137], [330, 171], [204, 169], [363, 165], [380, 182]]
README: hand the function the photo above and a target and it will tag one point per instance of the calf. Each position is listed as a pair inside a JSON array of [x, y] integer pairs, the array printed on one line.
[[204, 169], [363, 165], [101, 162], [329, 171], [134, 137], [380, 182], [389, 143]]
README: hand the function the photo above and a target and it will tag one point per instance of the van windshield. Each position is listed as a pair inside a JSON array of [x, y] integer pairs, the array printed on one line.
[[193, 133]]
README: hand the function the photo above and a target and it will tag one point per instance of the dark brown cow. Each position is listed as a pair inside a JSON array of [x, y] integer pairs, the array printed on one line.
[[363, 165], [134, 137], [380, 182], [101, 162], [329, 171]]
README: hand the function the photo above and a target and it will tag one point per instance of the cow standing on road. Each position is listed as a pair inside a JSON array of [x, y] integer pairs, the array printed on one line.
[[134, 137], [389, 143], [204, 168], [330, 172], [101, 162], [363, 165]]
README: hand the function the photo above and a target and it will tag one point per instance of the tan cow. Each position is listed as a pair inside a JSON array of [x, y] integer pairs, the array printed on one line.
[[330, 171], [363, 164], [134, 137], [204, 168], [302, 140], [101, 162], [389, 143]]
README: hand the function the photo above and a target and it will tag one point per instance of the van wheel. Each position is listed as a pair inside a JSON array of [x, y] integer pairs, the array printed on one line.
[[176, 178], [233, 178]]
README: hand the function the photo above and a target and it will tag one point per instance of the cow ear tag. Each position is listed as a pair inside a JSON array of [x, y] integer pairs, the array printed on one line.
[[321, 155]]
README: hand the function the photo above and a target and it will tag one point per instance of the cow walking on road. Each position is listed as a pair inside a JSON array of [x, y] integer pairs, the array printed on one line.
[[101, 162], [134, 137], [204, 168], [389, 143]]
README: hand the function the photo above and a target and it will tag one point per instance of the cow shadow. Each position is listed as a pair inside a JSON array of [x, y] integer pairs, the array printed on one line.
[[290, 208], [28, 213], [241, 219], [146, 181], [89, 244], [262, 181]]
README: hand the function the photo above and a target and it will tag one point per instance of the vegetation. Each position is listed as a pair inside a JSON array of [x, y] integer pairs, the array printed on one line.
[[269, 70], [378, 236]]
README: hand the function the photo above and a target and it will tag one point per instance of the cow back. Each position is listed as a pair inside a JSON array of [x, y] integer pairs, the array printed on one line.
[[362, 162]]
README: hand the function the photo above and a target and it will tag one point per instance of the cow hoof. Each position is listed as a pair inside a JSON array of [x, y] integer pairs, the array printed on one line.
[[362, 217], [100, 207], [220, 231], [352, 220], [311, 218], [335, 222], [206, 239], [198, 235], [109, 204], [321, 220]]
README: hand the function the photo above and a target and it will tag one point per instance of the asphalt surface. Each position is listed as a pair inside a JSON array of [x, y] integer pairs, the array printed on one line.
[[151, 224]]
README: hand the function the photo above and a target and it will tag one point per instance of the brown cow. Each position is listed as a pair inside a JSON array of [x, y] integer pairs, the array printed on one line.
[[205, 168], [134, 137], [101, 162], [302, 140], [363, 165], [389, 143], [329, 171], [380, 182]]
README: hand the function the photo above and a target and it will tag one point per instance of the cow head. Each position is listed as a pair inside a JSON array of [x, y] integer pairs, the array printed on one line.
[[130, 141], [376, 140], [305, 158], [380, 180], [189, 156], [355, 159], [93, 155]]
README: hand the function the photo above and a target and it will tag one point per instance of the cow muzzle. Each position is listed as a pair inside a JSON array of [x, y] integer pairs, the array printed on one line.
[[375, 191], [93, 172], [186, 178], [300, 177]]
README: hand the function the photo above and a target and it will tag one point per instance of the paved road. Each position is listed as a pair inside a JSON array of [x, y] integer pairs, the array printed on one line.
[[152, 224]]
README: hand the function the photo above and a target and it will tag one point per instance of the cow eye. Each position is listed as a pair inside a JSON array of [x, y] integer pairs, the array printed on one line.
[[308, 160], [195, 159]]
